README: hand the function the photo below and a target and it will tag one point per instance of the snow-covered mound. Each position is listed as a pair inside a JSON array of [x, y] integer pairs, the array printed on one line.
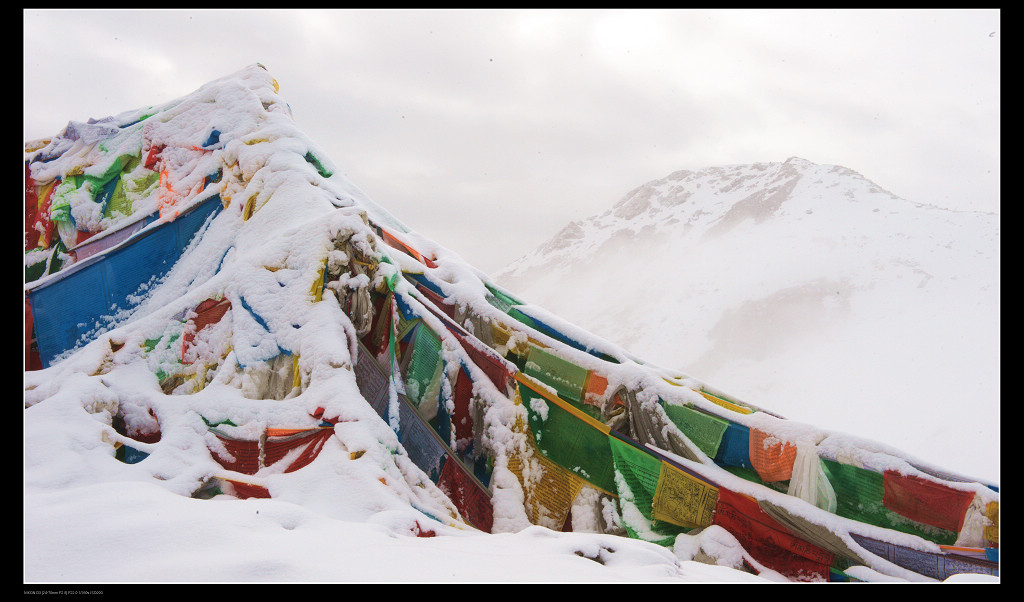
[[229, 345], [805, 288]]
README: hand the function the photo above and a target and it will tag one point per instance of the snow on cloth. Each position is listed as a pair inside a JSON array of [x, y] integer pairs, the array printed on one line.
[[768, 541], [568, 436], [705, 430], [926, 501], [85, 298], [771, 458]]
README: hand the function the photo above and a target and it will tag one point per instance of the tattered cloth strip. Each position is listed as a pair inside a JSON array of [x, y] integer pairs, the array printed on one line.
[[929, 564], [243, 490], [471, 500], [548, 497], [809, 481], [769, 542], [421, 442], [819, 535], [770, 457], [279, 443], [241, 455], [992, 514], [650, 425], [206, 313], [926, 501], [704, 430], [425, 446]]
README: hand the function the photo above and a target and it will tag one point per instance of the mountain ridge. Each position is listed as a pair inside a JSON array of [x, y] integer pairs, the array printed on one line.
[[754, 275], [662, 202]]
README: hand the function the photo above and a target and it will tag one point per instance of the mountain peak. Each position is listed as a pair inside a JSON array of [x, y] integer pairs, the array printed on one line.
[[711, 201], [756, 274], [800, 162]]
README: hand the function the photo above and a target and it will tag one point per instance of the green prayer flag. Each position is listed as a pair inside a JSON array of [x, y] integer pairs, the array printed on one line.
[[703, 429]]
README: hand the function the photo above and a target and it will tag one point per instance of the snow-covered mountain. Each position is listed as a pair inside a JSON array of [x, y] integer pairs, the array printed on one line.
[[799, 287]]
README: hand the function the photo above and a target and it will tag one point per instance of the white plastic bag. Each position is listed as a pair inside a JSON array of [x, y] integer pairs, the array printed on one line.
[[809, 482]]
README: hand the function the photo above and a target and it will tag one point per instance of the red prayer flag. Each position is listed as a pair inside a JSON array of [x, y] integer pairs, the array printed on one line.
[[767, 541], [462, 421], [472, 502], [926, 501]]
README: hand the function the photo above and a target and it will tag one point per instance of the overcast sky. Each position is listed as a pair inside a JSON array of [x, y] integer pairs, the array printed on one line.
[[489, 130]]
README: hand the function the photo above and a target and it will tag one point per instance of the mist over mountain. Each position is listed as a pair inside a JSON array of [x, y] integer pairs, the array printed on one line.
[[806, 289]]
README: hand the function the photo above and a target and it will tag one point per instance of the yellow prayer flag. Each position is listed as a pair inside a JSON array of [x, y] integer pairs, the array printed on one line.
[[725, 404], [682, 500]]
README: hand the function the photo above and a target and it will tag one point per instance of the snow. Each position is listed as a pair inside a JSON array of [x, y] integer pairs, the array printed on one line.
[[362, 511], [800, 288]]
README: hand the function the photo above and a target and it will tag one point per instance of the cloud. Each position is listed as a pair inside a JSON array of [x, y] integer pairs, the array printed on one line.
[[456, 117]]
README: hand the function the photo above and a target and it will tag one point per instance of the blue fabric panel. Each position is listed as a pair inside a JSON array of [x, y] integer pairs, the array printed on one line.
[[405, 309], [188, 224], [130, 455], [420, 442], [482, 471], [72, 306], [931, 564], [735, 447], [426, 282], [127, 268], [66, 309], [213, 138]]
